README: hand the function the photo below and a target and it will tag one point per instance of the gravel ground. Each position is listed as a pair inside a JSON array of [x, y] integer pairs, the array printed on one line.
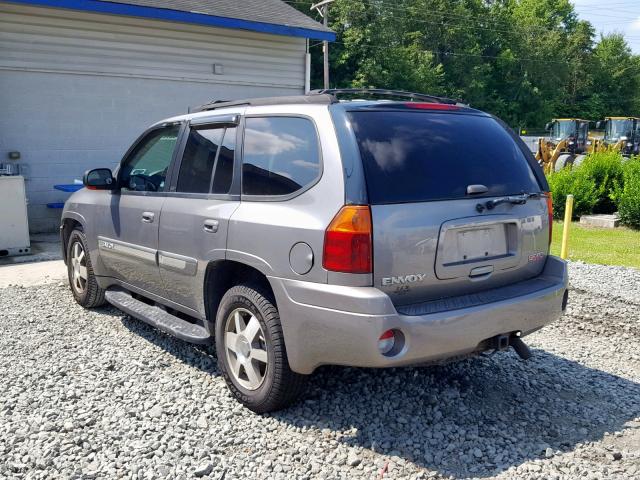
[[95, 394]]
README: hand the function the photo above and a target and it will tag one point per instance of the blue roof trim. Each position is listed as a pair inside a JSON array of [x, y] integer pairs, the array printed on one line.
[[179, 16]]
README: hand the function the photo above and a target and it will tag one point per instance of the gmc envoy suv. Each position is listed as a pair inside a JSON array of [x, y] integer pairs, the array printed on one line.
[[368, 228]]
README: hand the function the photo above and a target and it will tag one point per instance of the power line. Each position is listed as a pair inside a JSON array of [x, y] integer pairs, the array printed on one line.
[[459, 25], [458, 54], [457, 19], [467, 17]]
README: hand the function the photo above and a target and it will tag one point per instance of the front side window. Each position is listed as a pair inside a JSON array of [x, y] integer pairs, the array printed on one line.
[[145, 170], [584, 131], [281, 155], [563, 129], [617, 128]]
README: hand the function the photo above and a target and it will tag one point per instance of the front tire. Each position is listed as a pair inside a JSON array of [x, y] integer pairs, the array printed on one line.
[[563, 161], [251, 352], [82, 280], [578, 160]]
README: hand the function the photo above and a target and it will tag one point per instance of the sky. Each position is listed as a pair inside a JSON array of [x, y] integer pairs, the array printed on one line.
[[622, 16]]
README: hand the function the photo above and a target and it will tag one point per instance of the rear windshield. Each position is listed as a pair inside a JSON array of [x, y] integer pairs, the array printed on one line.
[[423, 156]]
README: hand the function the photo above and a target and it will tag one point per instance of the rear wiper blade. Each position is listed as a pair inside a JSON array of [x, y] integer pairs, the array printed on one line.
[[512, 199]]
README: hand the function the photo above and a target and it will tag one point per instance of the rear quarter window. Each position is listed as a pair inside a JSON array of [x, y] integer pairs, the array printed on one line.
[[281, 155], [426, 156]]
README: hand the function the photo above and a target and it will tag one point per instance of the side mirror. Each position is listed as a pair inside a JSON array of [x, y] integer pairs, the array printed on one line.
[[548, 126], [99, 179], [599, 125]]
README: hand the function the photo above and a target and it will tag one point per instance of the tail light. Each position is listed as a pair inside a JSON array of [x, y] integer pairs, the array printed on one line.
[[347, 241], [550, 212], [386, 342], [431, 106]]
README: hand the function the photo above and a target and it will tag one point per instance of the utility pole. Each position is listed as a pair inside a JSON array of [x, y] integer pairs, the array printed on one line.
[[323, 9], [325, 49]]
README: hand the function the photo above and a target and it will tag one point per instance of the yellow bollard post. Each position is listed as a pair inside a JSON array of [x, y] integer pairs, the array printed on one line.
[[568, 213]]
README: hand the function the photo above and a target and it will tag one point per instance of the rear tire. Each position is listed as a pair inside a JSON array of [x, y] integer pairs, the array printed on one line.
[[82, 280], [251, 351]]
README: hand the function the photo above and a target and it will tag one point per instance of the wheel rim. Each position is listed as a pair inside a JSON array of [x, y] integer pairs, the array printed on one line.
[[245, 348], [78, 268]]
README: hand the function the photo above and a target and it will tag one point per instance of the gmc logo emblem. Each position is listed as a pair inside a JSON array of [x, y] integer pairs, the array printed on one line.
[[536, 257]]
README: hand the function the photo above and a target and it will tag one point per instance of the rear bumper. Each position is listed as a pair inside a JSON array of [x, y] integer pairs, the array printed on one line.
[[338, 325]]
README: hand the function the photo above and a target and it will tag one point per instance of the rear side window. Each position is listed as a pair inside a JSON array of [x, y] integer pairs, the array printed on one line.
[[281, 155], [424, 156], [224, 165], [207, 162], [198, 160]]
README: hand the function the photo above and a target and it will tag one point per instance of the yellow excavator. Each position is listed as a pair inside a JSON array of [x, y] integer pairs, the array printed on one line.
[[621, 134], [567, 144]]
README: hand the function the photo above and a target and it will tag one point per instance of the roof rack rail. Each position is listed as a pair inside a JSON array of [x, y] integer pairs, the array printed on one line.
[[383, 93], [295, 99]]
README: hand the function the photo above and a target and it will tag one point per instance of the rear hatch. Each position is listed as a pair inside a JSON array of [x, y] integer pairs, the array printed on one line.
[[457, 207]]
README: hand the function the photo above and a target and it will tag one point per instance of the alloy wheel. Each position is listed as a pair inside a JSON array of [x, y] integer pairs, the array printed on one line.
[[78, 268], [245, 348]]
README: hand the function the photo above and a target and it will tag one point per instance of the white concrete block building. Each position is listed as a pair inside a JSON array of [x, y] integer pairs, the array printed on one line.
[[81, 79]]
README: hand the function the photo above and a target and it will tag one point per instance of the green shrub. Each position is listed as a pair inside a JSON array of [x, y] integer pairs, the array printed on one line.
[[605, 171], [575, 182], [627, 196]]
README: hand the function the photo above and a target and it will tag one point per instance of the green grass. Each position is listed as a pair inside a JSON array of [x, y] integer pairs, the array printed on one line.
[[620, 246]]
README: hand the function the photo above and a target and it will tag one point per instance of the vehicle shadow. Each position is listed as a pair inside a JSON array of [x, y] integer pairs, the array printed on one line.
[[474, 418]]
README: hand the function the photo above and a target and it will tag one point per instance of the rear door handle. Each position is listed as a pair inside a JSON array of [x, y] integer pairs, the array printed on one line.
[[211, 226], [148, 217]]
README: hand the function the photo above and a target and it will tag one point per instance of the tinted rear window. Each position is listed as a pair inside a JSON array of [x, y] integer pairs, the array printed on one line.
[[281, 155], [423, 156]]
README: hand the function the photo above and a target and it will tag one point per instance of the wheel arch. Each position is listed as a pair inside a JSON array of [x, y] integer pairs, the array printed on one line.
[[69, 224], [221, 275]]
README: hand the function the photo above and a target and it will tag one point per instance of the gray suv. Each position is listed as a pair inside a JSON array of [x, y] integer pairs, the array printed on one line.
[[295, 232]]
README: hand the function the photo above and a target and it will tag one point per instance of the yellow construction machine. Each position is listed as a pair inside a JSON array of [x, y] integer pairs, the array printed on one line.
[[621, 134], [567, 144]]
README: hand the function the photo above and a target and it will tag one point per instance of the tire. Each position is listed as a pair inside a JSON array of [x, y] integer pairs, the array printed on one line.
[[563, 161], [247, 332], [578, 160], [82, 280]]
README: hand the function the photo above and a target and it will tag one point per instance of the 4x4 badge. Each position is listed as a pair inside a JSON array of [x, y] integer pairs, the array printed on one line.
[[105, 244]]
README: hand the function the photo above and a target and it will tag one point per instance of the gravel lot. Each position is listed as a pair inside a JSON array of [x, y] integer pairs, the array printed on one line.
[[99, 395]]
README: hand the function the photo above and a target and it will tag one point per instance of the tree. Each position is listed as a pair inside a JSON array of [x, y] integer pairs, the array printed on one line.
[[616, 78], [523, 60]]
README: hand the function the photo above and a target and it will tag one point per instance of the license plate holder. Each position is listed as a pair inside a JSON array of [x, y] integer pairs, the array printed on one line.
[[468, 243], [480, 244]]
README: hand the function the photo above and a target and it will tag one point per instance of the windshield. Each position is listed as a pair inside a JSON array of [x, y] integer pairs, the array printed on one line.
[[563, 129], [616, 129], [417, 157]]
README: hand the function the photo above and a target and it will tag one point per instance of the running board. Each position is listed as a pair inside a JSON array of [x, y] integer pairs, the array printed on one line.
[[159, 318]]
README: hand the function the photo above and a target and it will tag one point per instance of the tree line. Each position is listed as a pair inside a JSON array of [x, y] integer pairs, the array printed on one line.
[[525, 61]]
